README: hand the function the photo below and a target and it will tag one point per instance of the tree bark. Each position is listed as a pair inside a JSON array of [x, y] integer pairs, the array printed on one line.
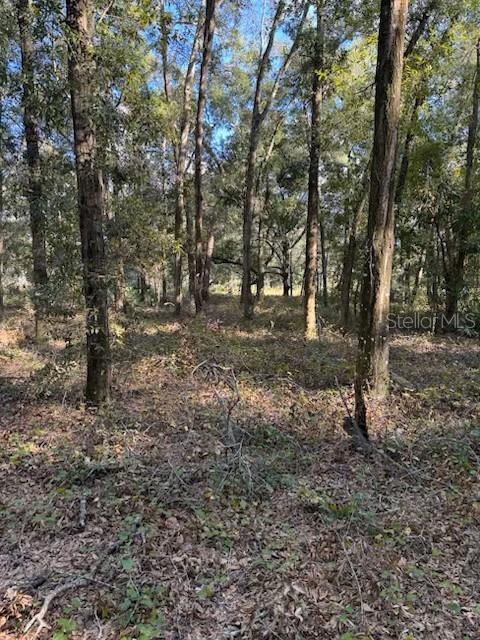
[[190, 256], [311, 248], [207, 267], [350, 251], [209, 30], [2, 231], [407, 147], [372, 359], [181, 168], [455, 278], [324, 259], [91, 199], [285, 270], [31, 118]]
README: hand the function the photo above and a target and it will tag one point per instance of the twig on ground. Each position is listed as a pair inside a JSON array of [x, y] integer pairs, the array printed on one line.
[[82, 581], [352, 569], [82, 519]]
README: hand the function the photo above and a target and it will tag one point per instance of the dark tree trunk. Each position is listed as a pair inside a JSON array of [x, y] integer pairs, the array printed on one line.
[[350, 251], [285, 271], [311, 249], [199, 135], [455, 279], [91, 198], [372, 360], [285, 283], [164, 296], [142, 286], [181, 168], [31, 118], [405, 162]]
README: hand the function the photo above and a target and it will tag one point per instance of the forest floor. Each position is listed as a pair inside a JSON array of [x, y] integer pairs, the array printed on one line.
[[218, 497]]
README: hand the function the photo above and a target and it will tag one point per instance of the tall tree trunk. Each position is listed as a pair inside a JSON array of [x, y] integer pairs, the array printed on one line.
[[181, 167], [418, 277], [2, 230], [323, 255], [32, 138], [258, 116], [350, 251], [260, 257], [407, 147], [208, 266], [455, 283], [190, 228], [311, 248], [372, 360], [91, 198], [199, 135], [285, 272]]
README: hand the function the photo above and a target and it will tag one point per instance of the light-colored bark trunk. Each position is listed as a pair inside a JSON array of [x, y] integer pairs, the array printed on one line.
[[311, 248], [180, 215]]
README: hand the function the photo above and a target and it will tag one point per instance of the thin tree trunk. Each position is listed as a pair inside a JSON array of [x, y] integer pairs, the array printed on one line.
[[91, 199], [418, 277], [190, 256], [455, 283], [285, 267], [164, 297], [258, 117], [404, 164], [323, 254], [181, 168], [32, 139], [372, 360], [208, 266], [2, 231], [350, 251], [199, 135], [2, 238], [311, 248], [260, 265]]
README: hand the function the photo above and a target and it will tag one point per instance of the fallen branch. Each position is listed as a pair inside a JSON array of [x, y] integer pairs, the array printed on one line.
[[39, 617], [82, 581], [82, 519]]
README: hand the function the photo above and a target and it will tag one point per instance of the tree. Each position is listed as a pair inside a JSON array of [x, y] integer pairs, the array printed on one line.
[[208, 33], [457, 255], [2, 240], [91, 199], [31, 118], [372, 359], [311, 251], [259, 113], [180, 213]]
